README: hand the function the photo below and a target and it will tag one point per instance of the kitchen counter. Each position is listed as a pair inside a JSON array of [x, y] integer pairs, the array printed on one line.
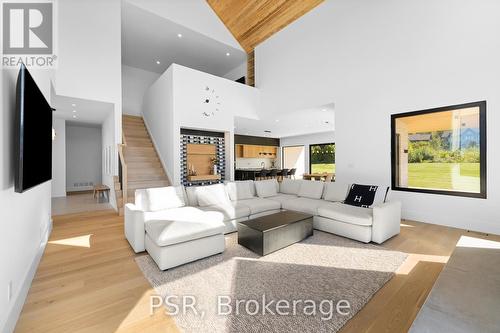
[[247, 174]]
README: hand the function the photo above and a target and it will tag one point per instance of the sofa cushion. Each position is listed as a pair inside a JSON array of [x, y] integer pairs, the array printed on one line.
[[346, 213], [259, 205], [184, 214], [311, 189], [266, 188], [160, 198], [281, 198], [232, 211], [336, 192], [240, 190], [290, 186], [211, 195], [164, 232], [366, 195], [304, 205]]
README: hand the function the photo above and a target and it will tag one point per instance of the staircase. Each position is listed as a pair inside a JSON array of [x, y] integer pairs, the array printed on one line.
[[141, 166]]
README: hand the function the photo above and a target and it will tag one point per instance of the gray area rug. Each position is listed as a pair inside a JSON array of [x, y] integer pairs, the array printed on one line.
[[315, 274]]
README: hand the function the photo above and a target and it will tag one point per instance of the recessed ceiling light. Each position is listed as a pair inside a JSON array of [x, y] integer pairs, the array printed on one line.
[[277, 120], [179, 35], [74, 111], [158, 62], [228, 54], [324, 110], [74, 116], [73, 105]]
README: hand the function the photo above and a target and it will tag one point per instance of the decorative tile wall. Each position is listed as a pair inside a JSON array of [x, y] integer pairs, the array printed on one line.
[[220, 147]]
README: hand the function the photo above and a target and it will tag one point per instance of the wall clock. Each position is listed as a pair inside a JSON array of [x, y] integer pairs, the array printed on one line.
[[211, 102]]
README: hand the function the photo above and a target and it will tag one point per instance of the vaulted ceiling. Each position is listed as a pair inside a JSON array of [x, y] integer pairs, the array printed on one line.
[[253, 21]]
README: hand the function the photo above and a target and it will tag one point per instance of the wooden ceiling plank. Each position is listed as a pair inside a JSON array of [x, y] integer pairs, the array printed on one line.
[[253, 21]]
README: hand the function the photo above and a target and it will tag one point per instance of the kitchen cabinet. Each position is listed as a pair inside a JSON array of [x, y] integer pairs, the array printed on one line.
[[254, 151]]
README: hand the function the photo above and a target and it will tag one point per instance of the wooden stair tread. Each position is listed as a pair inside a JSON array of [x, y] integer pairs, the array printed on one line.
[[144, 168]]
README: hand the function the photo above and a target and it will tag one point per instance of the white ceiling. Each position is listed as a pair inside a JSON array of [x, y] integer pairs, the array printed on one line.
[[84, 111], [148, 37], [312, 120], [196, 15]]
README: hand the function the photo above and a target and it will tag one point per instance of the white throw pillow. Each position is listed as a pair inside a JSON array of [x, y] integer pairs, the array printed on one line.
[[212, 195], [192, 200], [336, 192], [240, 190], [290, 186], [311, 189], [162, 198], [266, 188]]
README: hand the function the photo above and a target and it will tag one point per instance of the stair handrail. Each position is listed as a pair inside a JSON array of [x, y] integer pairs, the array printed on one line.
[[121, 154]]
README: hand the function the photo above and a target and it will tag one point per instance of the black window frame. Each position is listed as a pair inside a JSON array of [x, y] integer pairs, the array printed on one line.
[[482, 151], [310, 154]]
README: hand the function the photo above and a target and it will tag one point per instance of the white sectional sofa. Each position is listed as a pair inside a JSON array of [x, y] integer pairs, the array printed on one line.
[[177, 225]]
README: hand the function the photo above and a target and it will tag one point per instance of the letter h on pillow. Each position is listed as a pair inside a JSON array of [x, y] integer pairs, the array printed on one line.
[[366, 196]]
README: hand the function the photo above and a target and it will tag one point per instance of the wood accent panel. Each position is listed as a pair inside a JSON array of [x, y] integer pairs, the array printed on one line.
[[101, 289], [203, 149], [251, 69], [238, 150], [251, 21], [204, 177], [200, 157]]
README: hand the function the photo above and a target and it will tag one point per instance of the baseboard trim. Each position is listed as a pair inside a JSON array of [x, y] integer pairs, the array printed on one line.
[[20, 298]]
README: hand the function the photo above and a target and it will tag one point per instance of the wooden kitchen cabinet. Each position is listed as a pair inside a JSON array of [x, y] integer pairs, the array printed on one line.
[[253, 151]]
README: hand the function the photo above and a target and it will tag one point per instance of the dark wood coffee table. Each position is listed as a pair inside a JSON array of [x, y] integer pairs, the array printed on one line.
[[270, 233]]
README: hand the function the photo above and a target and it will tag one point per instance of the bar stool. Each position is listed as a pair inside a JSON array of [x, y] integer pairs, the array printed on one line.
[[262, 174], [292, 173], [273, 174], [283, 174]]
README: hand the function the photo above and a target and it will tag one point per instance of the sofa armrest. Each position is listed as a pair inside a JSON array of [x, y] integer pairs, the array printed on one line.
[[134, 227], [386, 221]]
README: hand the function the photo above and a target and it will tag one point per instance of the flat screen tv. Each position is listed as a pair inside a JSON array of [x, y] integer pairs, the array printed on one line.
[[33, 134]]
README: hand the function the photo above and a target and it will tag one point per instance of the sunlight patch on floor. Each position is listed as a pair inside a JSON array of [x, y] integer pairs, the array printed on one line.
[[80, 241], [415, 258], [466, 241]]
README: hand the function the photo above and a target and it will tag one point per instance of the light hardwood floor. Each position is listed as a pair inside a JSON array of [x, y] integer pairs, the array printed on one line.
[[88, 281]]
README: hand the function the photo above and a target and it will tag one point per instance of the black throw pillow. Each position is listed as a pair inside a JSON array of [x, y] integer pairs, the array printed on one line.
[[366, 195]]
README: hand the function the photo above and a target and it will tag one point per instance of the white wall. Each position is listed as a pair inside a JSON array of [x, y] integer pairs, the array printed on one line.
[[237, 73], [306, 141], [158, 114], [59, 159], [25, 217], [135, 82], [377, 58], [89, 59], [196, 15], [109, 142], [83, 156], [177, 100]]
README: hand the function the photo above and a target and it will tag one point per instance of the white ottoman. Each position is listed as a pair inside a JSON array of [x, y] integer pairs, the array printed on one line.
[[173, 243]]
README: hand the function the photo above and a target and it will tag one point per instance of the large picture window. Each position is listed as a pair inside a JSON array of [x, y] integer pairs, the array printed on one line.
[[322, 158], [441, 151]]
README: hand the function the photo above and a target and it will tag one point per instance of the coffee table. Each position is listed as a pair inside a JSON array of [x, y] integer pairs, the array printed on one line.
[[270, 233]]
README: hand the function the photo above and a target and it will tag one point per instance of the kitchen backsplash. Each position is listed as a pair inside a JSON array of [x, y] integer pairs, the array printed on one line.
[[245, 163]]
